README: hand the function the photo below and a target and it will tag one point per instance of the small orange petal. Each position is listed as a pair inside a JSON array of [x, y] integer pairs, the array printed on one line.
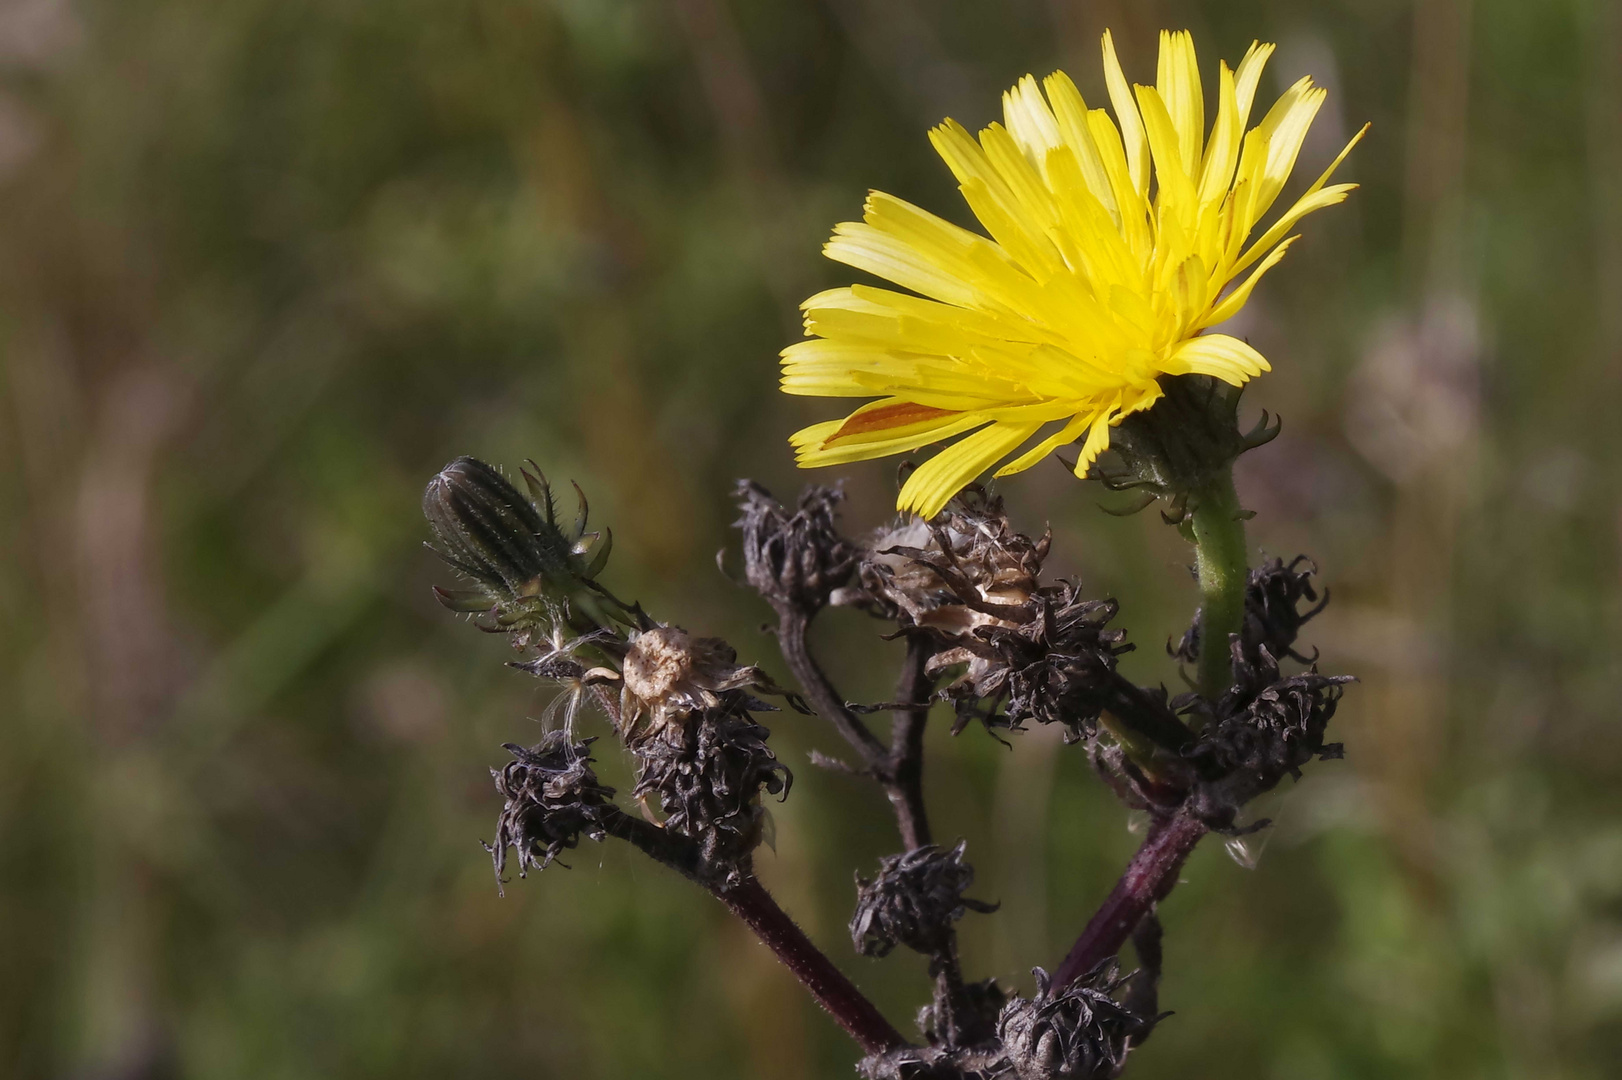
[[899, 414]]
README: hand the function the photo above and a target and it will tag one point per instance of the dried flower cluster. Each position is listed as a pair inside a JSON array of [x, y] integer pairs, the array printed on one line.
[[683, 708], [1082, 325], [972, 582], [1076, 1032], [552, 798], [1267, 726], [913, 901], [796, 560], [708, 777]]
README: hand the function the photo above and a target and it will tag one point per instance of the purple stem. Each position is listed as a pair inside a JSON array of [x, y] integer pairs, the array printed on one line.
[[1149, 877], [754, 905]]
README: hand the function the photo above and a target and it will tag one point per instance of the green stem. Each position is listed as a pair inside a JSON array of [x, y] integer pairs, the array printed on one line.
[[1218, 529]]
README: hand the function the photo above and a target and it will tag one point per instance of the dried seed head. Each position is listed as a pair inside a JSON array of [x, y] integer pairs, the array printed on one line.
[[1079, 1032], [1266, 726], [913, 901], [670, 675], [552, 799], [1054, 668], [966, 569], [795, 561], [1273, 614], [1028, 650]]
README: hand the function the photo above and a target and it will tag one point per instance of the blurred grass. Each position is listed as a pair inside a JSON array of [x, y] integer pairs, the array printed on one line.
[[264, 267]]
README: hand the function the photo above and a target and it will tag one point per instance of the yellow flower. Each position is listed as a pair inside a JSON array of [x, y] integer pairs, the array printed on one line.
[[1094, 283]]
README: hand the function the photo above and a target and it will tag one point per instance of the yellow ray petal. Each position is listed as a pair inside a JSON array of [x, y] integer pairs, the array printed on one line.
[[1071, 113], [1216, 172], [858, 244], [1229, 306], [1064, 436], [1129, 200], [989, 196], [1030, 121], [1097, 442], [932, 485], [1220, 356], [1314, 198], [811, 453], [1176, 189], [1248, 76], [1178, 82], [1271, 148], [1132, 135]]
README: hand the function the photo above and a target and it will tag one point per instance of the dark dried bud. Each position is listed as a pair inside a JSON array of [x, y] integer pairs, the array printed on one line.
[[1273, 619], [707, 776], [1265, 727], [1080, 1032], [1177, 449], [913, 901], [552, 799], [1273, 614], [1259, 741], [522, 563], [795, 561], [983, 1000]]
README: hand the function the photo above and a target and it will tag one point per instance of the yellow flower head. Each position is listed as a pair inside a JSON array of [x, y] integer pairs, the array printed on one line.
[[1094, 283]]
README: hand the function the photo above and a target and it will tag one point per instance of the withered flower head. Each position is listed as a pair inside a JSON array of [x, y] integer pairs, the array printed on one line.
[[793, 560], [552, 799], [669, 675], [966, 569], [1055, 667], [708, 776], [1274, 617], [913, 901], [1079, 1032], [972, 580], [1267, 728], [522, 563]]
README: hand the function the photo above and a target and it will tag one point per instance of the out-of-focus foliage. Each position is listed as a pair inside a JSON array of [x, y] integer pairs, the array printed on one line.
[[264, 267]]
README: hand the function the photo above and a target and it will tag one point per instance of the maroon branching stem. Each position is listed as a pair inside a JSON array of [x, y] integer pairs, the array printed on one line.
[[1149, 877], [899, 767], [820, 692], [904, 772], [904, 784], [751, 902]]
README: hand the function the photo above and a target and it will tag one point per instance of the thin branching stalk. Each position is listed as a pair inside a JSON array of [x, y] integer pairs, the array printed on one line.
[[819, 690]]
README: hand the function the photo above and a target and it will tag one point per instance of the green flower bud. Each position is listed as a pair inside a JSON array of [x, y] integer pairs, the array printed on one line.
[[523, 564]]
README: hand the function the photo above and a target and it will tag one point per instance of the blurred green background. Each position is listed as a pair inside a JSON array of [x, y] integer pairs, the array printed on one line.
[[265, 265]]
